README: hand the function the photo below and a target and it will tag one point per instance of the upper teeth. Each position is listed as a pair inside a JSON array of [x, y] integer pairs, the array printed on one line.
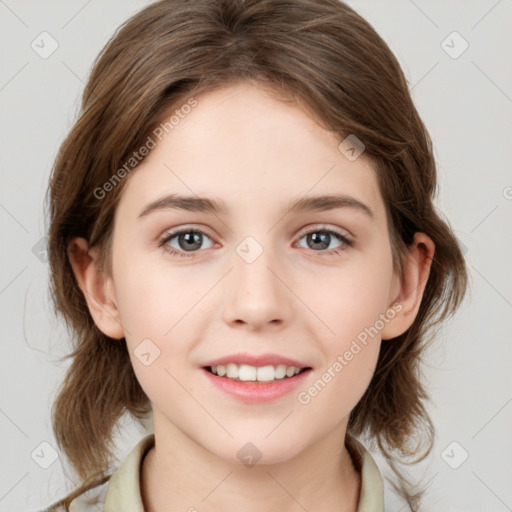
[[262, 373]]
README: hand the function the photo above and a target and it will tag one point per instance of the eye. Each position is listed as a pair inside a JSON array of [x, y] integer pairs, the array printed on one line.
[[320, 239], [188, 240]]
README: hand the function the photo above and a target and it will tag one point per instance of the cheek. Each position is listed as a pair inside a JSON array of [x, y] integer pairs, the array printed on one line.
[[160, 309], [353, 300], [353, 309], [338, 387], [154, 314], [153, 300]]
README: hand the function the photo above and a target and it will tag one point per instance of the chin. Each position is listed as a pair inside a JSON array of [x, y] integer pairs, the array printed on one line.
[[250, 449]]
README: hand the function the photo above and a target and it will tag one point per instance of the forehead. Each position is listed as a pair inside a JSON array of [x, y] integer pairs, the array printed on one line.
[[246, 148]]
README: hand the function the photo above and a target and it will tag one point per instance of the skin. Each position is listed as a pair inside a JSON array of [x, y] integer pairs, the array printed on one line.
[[256, 153]]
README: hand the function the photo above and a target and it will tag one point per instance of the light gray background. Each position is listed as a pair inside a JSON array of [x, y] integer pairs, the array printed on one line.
[[466, 103]]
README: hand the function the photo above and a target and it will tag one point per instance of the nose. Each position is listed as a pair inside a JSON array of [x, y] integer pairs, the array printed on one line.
[[257, 296]]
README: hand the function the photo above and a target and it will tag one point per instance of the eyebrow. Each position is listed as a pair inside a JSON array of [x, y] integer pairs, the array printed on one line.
[[304, 204]]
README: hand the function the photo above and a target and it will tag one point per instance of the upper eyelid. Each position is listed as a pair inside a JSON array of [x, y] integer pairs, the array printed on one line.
[[325, 227]]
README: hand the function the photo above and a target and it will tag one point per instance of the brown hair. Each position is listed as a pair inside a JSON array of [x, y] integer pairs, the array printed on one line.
[[330, 61]]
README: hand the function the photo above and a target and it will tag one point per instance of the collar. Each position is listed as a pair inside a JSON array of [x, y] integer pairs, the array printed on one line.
[[123, 491]]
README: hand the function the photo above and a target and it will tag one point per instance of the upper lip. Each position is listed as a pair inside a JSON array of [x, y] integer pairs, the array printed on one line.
[[256, 360]]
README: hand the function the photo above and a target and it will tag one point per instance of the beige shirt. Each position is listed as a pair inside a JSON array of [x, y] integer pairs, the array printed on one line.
[[122, 491]]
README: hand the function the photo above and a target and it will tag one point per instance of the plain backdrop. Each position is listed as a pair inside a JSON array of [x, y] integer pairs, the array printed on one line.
[[462, 87]]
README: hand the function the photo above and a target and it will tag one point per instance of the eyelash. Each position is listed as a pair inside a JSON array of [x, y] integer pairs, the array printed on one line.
[[337, 251]]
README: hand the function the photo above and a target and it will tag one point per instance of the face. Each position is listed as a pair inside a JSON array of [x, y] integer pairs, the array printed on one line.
[[252, 288]]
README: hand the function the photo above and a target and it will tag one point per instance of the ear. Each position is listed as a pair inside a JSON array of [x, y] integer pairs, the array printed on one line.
[[408, 289], [96, 286]]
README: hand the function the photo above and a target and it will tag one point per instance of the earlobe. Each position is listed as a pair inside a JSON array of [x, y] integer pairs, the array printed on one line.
[[96, 287], [411, 286]]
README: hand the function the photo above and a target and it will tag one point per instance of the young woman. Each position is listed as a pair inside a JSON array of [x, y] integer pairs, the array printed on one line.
[[244, 242]]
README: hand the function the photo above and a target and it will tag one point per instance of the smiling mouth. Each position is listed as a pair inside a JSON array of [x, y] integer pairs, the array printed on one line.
[[248, 373]]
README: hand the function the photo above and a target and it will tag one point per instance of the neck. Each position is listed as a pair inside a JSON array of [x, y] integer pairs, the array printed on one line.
[[179, 474]]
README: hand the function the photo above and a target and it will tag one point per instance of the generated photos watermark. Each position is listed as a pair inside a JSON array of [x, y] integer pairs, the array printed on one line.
[[137, 156], [357, 345]]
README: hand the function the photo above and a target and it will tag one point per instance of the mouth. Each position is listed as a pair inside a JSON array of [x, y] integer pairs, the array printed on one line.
[[256, 379], [260, 374]]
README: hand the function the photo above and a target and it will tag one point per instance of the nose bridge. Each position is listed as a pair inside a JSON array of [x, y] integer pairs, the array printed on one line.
[[258, 294]]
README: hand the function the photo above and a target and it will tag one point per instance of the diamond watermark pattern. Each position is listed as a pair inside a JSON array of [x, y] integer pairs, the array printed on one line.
[[44, 45], [40, 251], [249, 455], [351, 147], [463, 247], [249, 249], [44, 455], [146, 352], [454, 45], [454, 455]]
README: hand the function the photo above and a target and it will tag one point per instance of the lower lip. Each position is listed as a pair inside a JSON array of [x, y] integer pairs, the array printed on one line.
[[257, 392]]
